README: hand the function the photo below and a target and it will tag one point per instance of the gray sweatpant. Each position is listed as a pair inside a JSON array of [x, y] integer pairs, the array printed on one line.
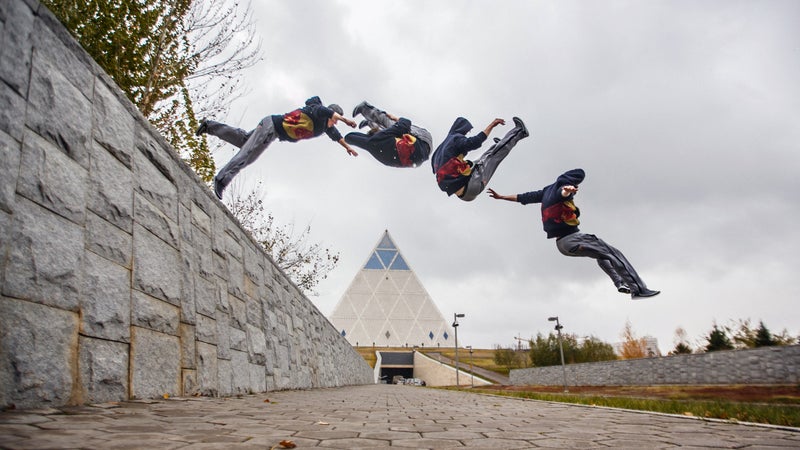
[[487, 164], [251, 145], [611, 260], [378, 119]]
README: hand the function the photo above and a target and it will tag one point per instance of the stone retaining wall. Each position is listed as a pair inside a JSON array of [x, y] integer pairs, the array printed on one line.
[[765, 365], [121, 275]]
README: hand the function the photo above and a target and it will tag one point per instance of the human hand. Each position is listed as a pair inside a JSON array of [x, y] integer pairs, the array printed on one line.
[[351, 152], [568, 190], [494, 194]]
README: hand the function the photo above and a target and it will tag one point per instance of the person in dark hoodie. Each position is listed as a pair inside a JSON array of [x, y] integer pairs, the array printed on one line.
[[467, 179], [393, 141], [560, 221], [307, 122]]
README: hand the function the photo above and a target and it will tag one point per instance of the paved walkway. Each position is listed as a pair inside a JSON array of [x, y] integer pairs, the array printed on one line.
[[374, 416]]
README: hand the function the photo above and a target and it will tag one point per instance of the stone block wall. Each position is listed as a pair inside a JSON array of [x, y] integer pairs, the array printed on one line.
[[121, 275], [765, 365]]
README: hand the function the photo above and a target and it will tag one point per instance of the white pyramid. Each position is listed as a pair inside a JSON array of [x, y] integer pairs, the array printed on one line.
[[386, 305]]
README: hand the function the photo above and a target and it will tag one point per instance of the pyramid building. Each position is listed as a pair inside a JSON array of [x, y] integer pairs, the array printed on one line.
[[386, 305]]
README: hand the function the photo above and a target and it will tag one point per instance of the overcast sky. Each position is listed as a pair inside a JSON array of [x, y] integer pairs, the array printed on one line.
[[685, 116]]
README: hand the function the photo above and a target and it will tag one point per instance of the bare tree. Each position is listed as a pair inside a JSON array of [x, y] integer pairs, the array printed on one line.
[[305, 263], [224, 40], [681, 342]]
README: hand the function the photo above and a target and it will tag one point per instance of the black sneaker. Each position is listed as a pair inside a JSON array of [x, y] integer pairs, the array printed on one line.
[[218, 188], [520, 124], [363, 124], [202, 129], [623, 289], [645, 294]]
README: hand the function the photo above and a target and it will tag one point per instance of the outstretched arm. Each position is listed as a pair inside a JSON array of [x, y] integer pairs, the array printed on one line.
[[338, 117], [392, 117], [491, 126], [494, 194], [347, 147]]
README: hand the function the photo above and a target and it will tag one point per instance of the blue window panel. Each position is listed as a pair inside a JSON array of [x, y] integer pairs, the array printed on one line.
[[343, 333], [374, 263], [399, 264], [445, 335], [386, 256], [430, 334], [386, 243]]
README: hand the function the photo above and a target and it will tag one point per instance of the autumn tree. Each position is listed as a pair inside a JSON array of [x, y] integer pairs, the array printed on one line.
[[305, 263], [632, 347]]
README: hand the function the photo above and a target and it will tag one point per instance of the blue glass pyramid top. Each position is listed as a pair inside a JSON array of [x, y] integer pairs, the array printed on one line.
[[343, 333], [430, 334], [374, 263], [445, 335], [386, 242], [399, 264], [386, 256]]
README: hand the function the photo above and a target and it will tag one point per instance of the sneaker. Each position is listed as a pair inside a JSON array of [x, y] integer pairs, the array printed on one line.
[[363, 124], [520, 124], [357, 109], [218, 188], [645, 294], [497, 140], [623, 289], [202, 129]]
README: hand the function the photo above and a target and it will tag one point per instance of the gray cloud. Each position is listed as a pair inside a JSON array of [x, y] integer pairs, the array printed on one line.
[[685, 115]]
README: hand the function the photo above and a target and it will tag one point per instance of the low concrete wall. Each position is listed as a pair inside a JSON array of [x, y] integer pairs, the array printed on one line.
[[765, 365], [435, 373], [121, 275]]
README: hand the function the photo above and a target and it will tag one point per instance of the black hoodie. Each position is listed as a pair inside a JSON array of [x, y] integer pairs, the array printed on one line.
[[452, 171], [559, 213], [306, 122]]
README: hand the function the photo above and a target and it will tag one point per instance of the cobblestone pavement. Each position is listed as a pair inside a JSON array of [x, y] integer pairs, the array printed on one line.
[[374, 416]]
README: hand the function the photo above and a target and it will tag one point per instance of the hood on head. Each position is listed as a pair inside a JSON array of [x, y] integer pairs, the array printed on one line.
[[573, 177], [460, 126]]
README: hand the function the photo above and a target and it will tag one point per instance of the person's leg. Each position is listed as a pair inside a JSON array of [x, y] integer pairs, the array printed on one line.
[[620, 270], [229, 134], [259, 140], [385, 154], [608, 268], [487, 164], [422, 134], [376, 118]]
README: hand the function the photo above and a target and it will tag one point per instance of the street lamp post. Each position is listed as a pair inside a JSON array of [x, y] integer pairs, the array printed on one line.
[[455, 329], [471, 372], [561, 348]]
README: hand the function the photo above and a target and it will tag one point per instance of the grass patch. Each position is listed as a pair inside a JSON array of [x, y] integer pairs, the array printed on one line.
[[774, 414]]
